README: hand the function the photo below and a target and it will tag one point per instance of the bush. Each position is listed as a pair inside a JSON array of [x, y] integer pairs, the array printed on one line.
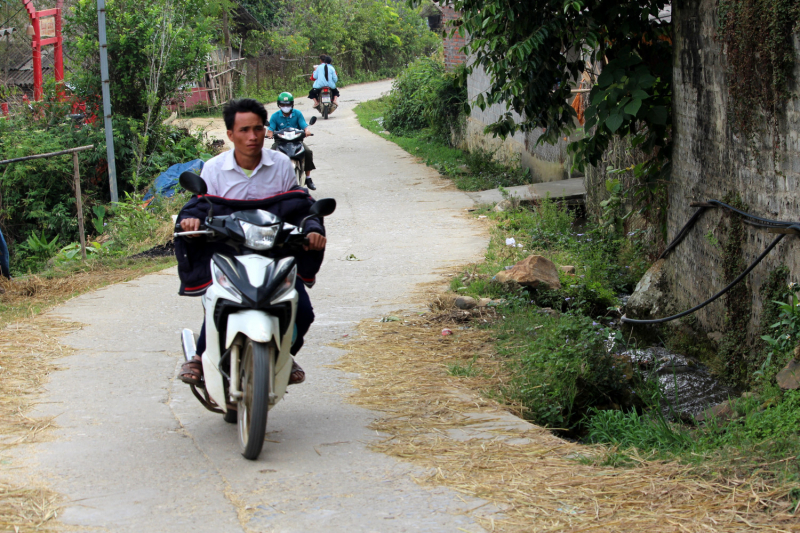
[[38, 195], [561, 366], [425, 96], [134, 228]]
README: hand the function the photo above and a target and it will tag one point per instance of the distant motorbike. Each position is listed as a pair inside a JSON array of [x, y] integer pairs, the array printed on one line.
[[325, 102], [250, 311], [289, 141]]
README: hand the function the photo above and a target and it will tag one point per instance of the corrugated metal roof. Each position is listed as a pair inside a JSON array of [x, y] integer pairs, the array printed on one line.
[[21, 66], [24, 78]]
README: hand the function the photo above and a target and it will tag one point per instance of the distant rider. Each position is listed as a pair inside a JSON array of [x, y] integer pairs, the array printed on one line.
[[324, 76], [289, 117], [248, 172]]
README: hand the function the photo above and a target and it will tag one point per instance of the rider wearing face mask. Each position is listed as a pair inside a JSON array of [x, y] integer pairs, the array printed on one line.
[[289, 117]]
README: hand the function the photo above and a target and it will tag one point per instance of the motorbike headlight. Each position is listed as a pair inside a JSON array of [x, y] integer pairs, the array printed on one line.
[[259, 237], [286, 286], [223, 281]]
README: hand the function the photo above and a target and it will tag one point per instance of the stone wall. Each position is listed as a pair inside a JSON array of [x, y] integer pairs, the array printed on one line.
[[546, 162], [710, 161]]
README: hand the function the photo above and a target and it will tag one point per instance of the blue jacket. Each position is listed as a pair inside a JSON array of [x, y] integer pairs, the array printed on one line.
[[321, 81], [194, 255], [279, 122]]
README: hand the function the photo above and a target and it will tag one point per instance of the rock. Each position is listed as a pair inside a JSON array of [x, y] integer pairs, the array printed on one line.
[[624, 363], [747, 395], [504, 205], [466, 302], [797, 352], [722, 411], [789, 377], [569, 269], [532, 271], [715, 336], [484, 302], [649, 299], [550, 311]]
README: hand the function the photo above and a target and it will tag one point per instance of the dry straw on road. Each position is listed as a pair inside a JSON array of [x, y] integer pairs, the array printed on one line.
[[536, 478], [28, 353], [29, 350]]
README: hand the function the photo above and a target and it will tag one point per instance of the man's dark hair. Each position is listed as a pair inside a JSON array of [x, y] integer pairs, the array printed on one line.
[[322, 58], [328, 59], [242, 105]]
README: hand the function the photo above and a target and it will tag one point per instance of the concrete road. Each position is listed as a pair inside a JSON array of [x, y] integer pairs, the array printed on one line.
[[136, 452]]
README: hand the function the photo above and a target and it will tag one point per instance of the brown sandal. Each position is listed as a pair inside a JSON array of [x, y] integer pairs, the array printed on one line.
[[192, 372], [298, 375]]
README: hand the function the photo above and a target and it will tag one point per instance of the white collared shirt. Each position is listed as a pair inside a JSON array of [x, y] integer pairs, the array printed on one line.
[[273, 175]]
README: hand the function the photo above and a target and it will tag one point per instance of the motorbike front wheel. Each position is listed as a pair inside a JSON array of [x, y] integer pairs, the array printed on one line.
[[254, 403]]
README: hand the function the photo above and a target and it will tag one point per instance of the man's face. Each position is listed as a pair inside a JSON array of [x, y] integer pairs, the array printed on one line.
[[247, 134]]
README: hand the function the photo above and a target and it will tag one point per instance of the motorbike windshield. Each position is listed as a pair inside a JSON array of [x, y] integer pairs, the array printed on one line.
[[257, 217]]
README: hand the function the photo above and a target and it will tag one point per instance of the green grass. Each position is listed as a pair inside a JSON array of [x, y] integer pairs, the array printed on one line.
[[562, 377], [466, 369], [469, 171]]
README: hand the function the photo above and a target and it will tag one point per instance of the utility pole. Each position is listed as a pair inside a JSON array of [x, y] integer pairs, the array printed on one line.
[[112, 166]]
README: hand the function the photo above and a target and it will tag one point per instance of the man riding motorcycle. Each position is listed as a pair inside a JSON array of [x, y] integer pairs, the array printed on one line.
[[264, 177], [289, 117]]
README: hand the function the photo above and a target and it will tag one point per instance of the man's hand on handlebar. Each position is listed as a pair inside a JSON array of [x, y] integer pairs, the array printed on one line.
[[315, 242], [269, 134], [190, 224]]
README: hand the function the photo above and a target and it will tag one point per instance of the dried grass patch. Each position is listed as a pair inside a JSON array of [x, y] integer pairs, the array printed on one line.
[[26, 509], [29, 350], [536, 478], [28, 353]]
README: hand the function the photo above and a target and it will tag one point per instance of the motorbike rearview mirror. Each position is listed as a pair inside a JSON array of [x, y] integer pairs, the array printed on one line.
[[323, 207], [193, 183], [312, 121]]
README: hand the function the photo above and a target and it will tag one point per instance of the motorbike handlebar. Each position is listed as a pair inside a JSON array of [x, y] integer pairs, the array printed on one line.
[[190, 233], [203, 230]]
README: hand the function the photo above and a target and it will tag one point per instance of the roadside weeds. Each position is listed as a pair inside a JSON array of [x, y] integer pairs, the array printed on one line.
[[540, 482]]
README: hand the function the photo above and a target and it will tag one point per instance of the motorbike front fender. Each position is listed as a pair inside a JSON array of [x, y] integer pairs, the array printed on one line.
[[256, 325]]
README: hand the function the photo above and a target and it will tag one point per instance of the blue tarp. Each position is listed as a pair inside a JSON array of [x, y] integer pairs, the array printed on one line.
[[167, 183]]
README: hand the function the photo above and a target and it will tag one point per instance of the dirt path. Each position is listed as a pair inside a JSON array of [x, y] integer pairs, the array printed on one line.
[[134, 450]]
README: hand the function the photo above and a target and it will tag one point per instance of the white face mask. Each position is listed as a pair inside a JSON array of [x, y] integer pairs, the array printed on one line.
[[286, 108]]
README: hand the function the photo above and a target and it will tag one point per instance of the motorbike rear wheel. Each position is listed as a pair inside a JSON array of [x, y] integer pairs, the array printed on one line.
[[254, 403], [325, 108]]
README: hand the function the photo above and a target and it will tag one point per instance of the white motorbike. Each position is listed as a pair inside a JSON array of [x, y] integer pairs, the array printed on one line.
[[250, 310]]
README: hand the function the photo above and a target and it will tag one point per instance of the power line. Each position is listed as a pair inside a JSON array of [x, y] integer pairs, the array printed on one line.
[[24, 5]]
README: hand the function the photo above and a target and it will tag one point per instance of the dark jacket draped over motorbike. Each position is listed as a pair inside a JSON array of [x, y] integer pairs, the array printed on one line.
[[194, 254]]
